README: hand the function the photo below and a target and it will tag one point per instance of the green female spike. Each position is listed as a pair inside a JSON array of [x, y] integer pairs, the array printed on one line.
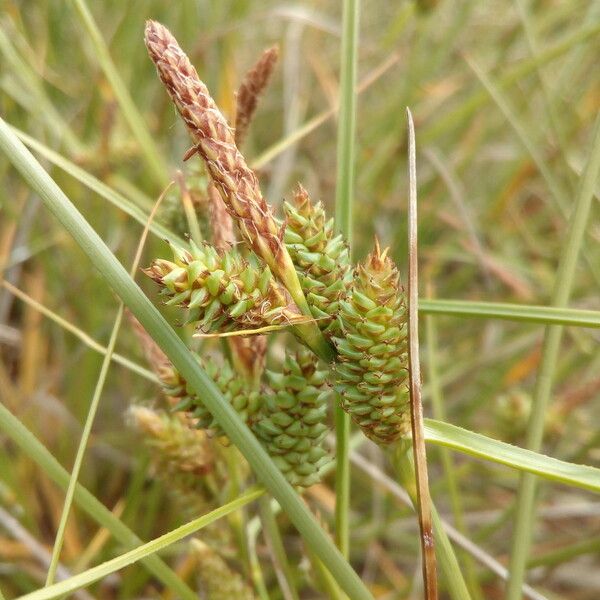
[[223, 290], [321, 259], [291, 423], [245, 400], [372, 367]]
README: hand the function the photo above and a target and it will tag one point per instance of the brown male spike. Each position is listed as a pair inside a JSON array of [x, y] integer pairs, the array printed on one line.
[[235, 181], [250, 90], [215, 142]]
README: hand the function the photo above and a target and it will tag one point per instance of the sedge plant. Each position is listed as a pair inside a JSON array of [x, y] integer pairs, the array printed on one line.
[[283, 323], [262, 274]]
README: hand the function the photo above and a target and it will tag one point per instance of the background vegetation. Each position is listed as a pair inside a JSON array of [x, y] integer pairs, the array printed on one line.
[[505, 96]]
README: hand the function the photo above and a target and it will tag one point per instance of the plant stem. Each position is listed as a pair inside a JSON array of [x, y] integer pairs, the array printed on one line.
[[406, 473], [275, 543], [439, 413], [313, 338], [344, 191], [344, 197], [424, 502], [525, 516], [237, 520], [255, 569], [342, 481]]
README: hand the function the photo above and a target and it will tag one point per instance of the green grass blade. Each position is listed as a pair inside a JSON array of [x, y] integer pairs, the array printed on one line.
[[91, 415], [524, 11], [148, 549], [344, 188], [44, 109], [525, 136], [81, 448], [315, 122], [550, 352], [523, 131], [564, 554], [455, 583], [344, 198], [97, 186], [156, 165], [34, 449], [457, 587], [546, 315], [481, 446], [281, 564], [183, 360]]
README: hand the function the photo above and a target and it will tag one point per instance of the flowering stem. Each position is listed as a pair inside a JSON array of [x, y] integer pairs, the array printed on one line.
[[275, 544], [343, 220]]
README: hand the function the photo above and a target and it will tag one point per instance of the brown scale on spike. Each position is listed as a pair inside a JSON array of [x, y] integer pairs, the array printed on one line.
[[250, 90]]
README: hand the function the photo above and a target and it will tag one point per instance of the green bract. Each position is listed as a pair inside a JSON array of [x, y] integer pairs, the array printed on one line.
[[321, 258], [372, 367], [291, 424]]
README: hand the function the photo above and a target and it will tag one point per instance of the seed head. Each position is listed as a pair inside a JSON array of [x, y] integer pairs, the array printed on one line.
[[372, 367], [292, 422], [218, 581], [250, 90], [235, 181], [321, 258], [244, 399], [222, 290], [182, 457]]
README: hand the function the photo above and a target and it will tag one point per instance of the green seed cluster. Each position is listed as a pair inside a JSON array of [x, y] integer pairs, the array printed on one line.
[[244, 399], [182, 457], [371, 372], [222, 290], [321, 258], [217, 579], [291, 424]]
